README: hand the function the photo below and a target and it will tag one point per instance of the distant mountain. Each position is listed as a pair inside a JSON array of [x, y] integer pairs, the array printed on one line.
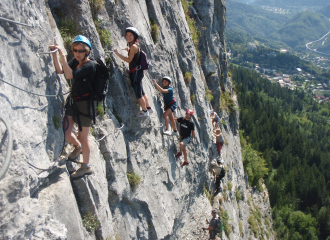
[[326, 11], [304, 27], [253, 20], [284, 3]]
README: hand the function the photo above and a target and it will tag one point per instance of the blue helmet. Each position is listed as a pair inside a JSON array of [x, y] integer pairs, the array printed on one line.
[[82, 39]]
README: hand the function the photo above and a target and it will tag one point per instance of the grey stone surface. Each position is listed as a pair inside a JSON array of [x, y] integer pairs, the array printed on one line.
[[170, 201]]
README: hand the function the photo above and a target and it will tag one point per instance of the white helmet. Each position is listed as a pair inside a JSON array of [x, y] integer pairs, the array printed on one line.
[[132, 30], [167, 78]]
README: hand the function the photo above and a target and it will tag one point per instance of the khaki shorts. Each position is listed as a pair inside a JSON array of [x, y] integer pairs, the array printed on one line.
[[82, 107]]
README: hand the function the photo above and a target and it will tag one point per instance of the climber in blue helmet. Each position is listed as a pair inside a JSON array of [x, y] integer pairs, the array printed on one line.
[[77, 108], [170, 104], [136, 75]]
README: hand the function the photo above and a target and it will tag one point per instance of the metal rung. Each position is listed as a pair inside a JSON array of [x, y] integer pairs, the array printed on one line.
[[8, 20]]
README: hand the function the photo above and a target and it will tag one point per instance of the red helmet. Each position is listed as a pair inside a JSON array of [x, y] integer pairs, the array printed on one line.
[[190, 112]]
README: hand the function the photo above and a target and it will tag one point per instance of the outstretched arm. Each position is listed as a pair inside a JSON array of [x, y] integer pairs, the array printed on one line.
[[209, 228], [134, 49], [65, 66]]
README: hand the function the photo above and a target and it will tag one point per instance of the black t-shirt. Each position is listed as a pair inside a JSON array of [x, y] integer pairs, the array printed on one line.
[[185, 127], [213, 224], [82, 77]]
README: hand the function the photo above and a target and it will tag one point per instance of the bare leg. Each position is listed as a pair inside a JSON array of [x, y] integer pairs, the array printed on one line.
[[69, 136], [146, 100], [171, 116], [185, 154], [166, 114], [142, 103], [184, 150], [85, 147]]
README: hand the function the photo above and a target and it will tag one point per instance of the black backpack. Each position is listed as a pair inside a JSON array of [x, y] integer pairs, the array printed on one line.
[[99, 86], [222, 173], [219, 226], [144, 61], [100, 83]]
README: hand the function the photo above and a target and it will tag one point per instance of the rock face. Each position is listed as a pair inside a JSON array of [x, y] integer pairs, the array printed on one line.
[[37, 197]]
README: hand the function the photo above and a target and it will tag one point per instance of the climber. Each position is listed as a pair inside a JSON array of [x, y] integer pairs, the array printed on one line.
[[219, 139], [215, 119], [214, 225], [136, 75], [219, 173], [187, 133], [77, 110], [169, 102]]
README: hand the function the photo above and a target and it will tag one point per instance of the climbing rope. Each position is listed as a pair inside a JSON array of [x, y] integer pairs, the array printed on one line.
[[6, 163], [8, 20], [41, 95], [116, 129]]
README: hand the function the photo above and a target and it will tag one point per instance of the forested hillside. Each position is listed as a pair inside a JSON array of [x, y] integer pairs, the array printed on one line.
[[253, 20], [305, 27], [283, 3], [241, 55], [292, 133], [325, 46], [276, 30]]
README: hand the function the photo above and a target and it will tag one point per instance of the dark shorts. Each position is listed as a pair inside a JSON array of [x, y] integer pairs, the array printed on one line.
[[136, 82], [173, 106], [213, 234], [82, 107]]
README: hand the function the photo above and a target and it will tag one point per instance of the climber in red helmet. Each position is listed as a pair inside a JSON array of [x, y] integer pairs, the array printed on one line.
[[187, 133]]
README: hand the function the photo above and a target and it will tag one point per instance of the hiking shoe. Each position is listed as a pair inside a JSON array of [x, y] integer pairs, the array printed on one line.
[[167, 132], [175, 133], [75, 153], [143, 114], [184, 164], [178, 155], [83, 170], [151, 111]]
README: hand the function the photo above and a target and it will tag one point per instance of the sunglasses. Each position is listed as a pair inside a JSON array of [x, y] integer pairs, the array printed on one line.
[[79, 51]]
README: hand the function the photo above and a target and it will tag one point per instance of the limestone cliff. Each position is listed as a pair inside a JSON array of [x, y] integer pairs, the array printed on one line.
[[37, 198]]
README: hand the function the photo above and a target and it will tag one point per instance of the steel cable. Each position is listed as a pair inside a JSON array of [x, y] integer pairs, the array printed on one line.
[[6, 163], [116, 129], [41, 95]]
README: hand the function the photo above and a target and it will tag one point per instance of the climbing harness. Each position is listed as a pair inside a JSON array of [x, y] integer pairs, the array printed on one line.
[[137, 68], [5, 165], [8, 20], [41, 95], [116, 129]]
